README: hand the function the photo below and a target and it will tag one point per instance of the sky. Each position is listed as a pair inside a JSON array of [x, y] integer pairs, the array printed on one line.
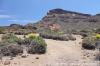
[[30, 11]]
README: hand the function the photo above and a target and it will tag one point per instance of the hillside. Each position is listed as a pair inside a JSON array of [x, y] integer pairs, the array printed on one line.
[[67, 20], [58, 19]]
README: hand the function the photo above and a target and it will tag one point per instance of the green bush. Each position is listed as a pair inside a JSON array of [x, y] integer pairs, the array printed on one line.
[[38, 39], [97, 30], [4, 44], [35, 44], [9, 46], [10, 38], [25, 41], [91, 43], [36, 48], [84, 33], [55, 37], [88, 43], [71, 37], [11, 50], [1, 31]]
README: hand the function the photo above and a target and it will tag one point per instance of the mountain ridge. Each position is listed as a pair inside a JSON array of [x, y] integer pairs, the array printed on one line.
[[62, 11], [69, 20], [65, 20]]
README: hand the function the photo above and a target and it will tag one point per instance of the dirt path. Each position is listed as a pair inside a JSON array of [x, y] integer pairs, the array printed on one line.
[[59, 53], [63, 51]]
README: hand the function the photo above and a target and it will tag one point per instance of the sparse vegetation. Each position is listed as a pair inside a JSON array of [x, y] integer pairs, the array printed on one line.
[[11, 50], [37, 45], [36, 48], [10, 38], [91, 42], [98, 36], [11, 45], [1, 31], [56, 35], [71, 37], [88, 43]]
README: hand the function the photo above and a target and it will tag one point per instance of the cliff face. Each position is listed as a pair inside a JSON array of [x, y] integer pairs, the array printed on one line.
[[70, 20], [64, 15]]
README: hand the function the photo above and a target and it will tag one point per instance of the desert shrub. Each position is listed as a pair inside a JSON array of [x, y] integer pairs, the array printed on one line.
[[35, 44], [97, 36], [71, 37], [2, 44], [1, 31], [31, 49], [40, 49], [9, 46], [11, 50], [63, 38], [10, 38], [91, 42], [55, 37], [36, 48], [60, 32], [25, 41], [44, 35], [97, 30], [33, 35], [75, 32], [88, 43], [19, 33], [58, 37], [84, 33], [38, 39]]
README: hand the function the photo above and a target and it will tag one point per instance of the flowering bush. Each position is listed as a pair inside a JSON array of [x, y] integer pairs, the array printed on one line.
[[97, 36], [32, 35]]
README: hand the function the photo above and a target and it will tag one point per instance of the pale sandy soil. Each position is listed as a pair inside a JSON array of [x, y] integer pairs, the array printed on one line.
[[0, 36], [59, 53]]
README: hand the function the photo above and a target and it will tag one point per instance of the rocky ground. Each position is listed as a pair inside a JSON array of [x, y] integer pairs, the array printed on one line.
[[59, 53]]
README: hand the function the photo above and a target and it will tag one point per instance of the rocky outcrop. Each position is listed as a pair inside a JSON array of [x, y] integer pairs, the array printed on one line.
[[61, 11], [63, 15], [69, 20]]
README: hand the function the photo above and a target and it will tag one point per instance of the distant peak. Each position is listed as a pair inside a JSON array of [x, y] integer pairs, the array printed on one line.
[[62, 11], [97, 14], [57, 11]]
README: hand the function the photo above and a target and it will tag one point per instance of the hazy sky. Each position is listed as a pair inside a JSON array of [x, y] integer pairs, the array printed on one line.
[[24, 11]]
